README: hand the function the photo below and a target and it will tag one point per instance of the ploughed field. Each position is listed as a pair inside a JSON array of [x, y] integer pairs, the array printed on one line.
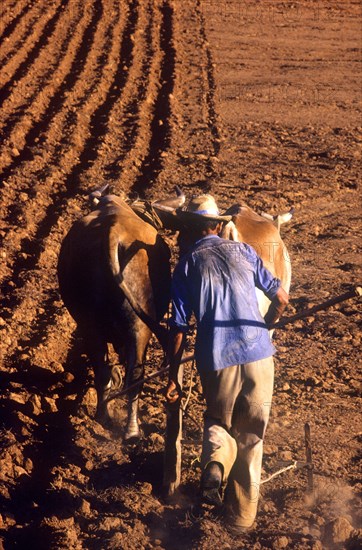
[[251, 101]]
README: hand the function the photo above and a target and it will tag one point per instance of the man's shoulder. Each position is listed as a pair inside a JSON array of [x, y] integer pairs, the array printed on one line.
[[228, 247], [222, 251], [215, 242], [243, 248]]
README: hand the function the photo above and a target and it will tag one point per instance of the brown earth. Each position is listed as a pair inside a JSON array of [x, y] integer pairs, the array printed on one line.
[[255, 101]]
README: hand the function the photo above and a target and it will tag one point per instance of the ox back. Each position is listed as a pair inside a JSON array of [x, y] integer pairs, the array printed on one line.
[[108, 246], [248, 227]]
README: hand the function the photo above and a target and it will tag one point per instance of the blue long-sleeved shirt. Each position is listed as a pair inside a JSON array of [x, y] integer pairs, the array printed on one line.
[[216, 281]]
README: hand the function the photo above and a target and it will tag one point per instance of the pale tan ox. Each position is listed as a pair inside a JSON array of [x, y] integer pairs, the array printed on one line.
[[262, 233]]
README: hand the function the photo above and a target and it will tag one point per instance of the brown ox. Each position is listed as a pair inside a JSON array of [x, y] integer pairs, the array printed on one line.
[[112, 268], [262, 233]]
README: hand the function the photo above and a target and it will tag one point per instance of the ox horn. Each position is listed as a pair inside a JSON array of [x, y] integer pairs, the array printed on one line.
[[166, 210], [98, 194], [171, 203]]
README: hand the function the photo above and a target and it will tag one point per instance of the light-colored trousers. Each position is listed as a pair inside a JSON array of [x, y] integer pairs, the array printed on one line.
[[238, 401]]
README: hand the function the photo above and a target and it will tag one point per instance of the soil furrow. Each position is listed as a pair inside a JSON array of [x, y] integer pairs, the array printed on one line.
[[212, 118], [29, 90], [32, 53], [130, 120], [208, 105], [38, 342], [190, 159], [73, 117], [160, 133], [25, 179], [100, 117], [16, 22], [51, 100], [8, 9], [29, 98], [69, 81], [124, 115], [33, 276], [28, 262], [29, 245]]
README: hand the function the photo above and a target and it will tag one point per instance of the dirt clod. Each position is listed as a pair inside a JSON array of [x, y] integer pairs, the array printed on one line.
[[338, 530], [280, 543]]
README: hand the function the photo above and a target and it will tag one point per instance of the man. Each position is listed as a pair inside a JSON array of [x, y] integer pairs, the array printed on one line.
[[216, 280]]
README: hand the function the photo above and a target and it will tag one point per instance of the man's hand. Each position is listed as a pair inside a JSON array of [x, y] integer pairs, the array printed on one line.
[[177, 345], [173, 392], [277, 306]]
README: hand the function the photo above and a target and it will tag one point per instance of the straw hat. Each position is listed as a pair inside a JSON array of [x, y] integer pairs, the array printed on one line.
[[202, 207]]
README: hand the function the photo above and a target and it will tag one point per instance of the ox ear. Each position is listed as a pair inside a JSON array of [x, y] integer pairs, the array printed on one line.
[[279, 219], [166, 210], [233, 210]]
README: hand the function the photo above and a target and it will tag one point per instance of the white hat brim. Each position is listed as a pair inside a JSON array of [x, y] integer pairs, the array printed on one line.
[[187, 216]]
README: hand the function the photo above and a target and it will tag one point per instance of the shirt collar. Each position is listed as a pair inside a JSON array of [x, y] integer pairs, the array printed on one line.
[[206, 238]]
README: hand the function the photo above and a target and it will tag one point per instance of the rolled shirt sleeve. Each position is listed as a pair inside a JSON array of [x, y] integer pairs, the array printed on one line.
[[265, 280]]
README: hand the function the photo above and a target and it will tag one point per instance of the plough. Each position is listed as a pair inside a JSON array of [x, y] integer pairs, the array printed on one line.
[[354, 292], [174, 413], [296, 464]]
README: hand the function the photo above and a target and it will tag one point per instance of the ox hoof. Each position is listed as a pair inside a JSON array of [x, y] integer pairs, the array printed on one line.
[[132, 436], [169, 489]]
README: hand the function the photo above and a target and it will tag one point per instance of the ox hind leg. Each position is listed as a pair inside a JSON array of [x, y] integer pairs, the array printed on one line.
[[97, 351], [134, 373]]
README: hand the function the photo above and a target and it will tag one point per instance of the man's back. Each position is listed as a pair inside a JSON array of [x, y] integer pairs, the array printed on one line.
[[216, 280]]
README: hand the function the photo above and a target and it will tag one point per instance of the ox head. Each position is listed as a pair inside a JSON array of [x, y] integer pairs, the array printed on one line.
[[166, 210]]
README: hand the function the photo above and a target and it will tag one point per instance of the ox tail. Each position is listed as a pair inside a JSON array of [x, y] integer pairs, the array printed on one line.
[[158, 330]]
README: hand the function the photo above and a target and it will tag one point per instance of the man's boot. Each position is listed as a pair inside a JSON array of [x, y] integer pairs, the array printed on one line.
[[211, 481]]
